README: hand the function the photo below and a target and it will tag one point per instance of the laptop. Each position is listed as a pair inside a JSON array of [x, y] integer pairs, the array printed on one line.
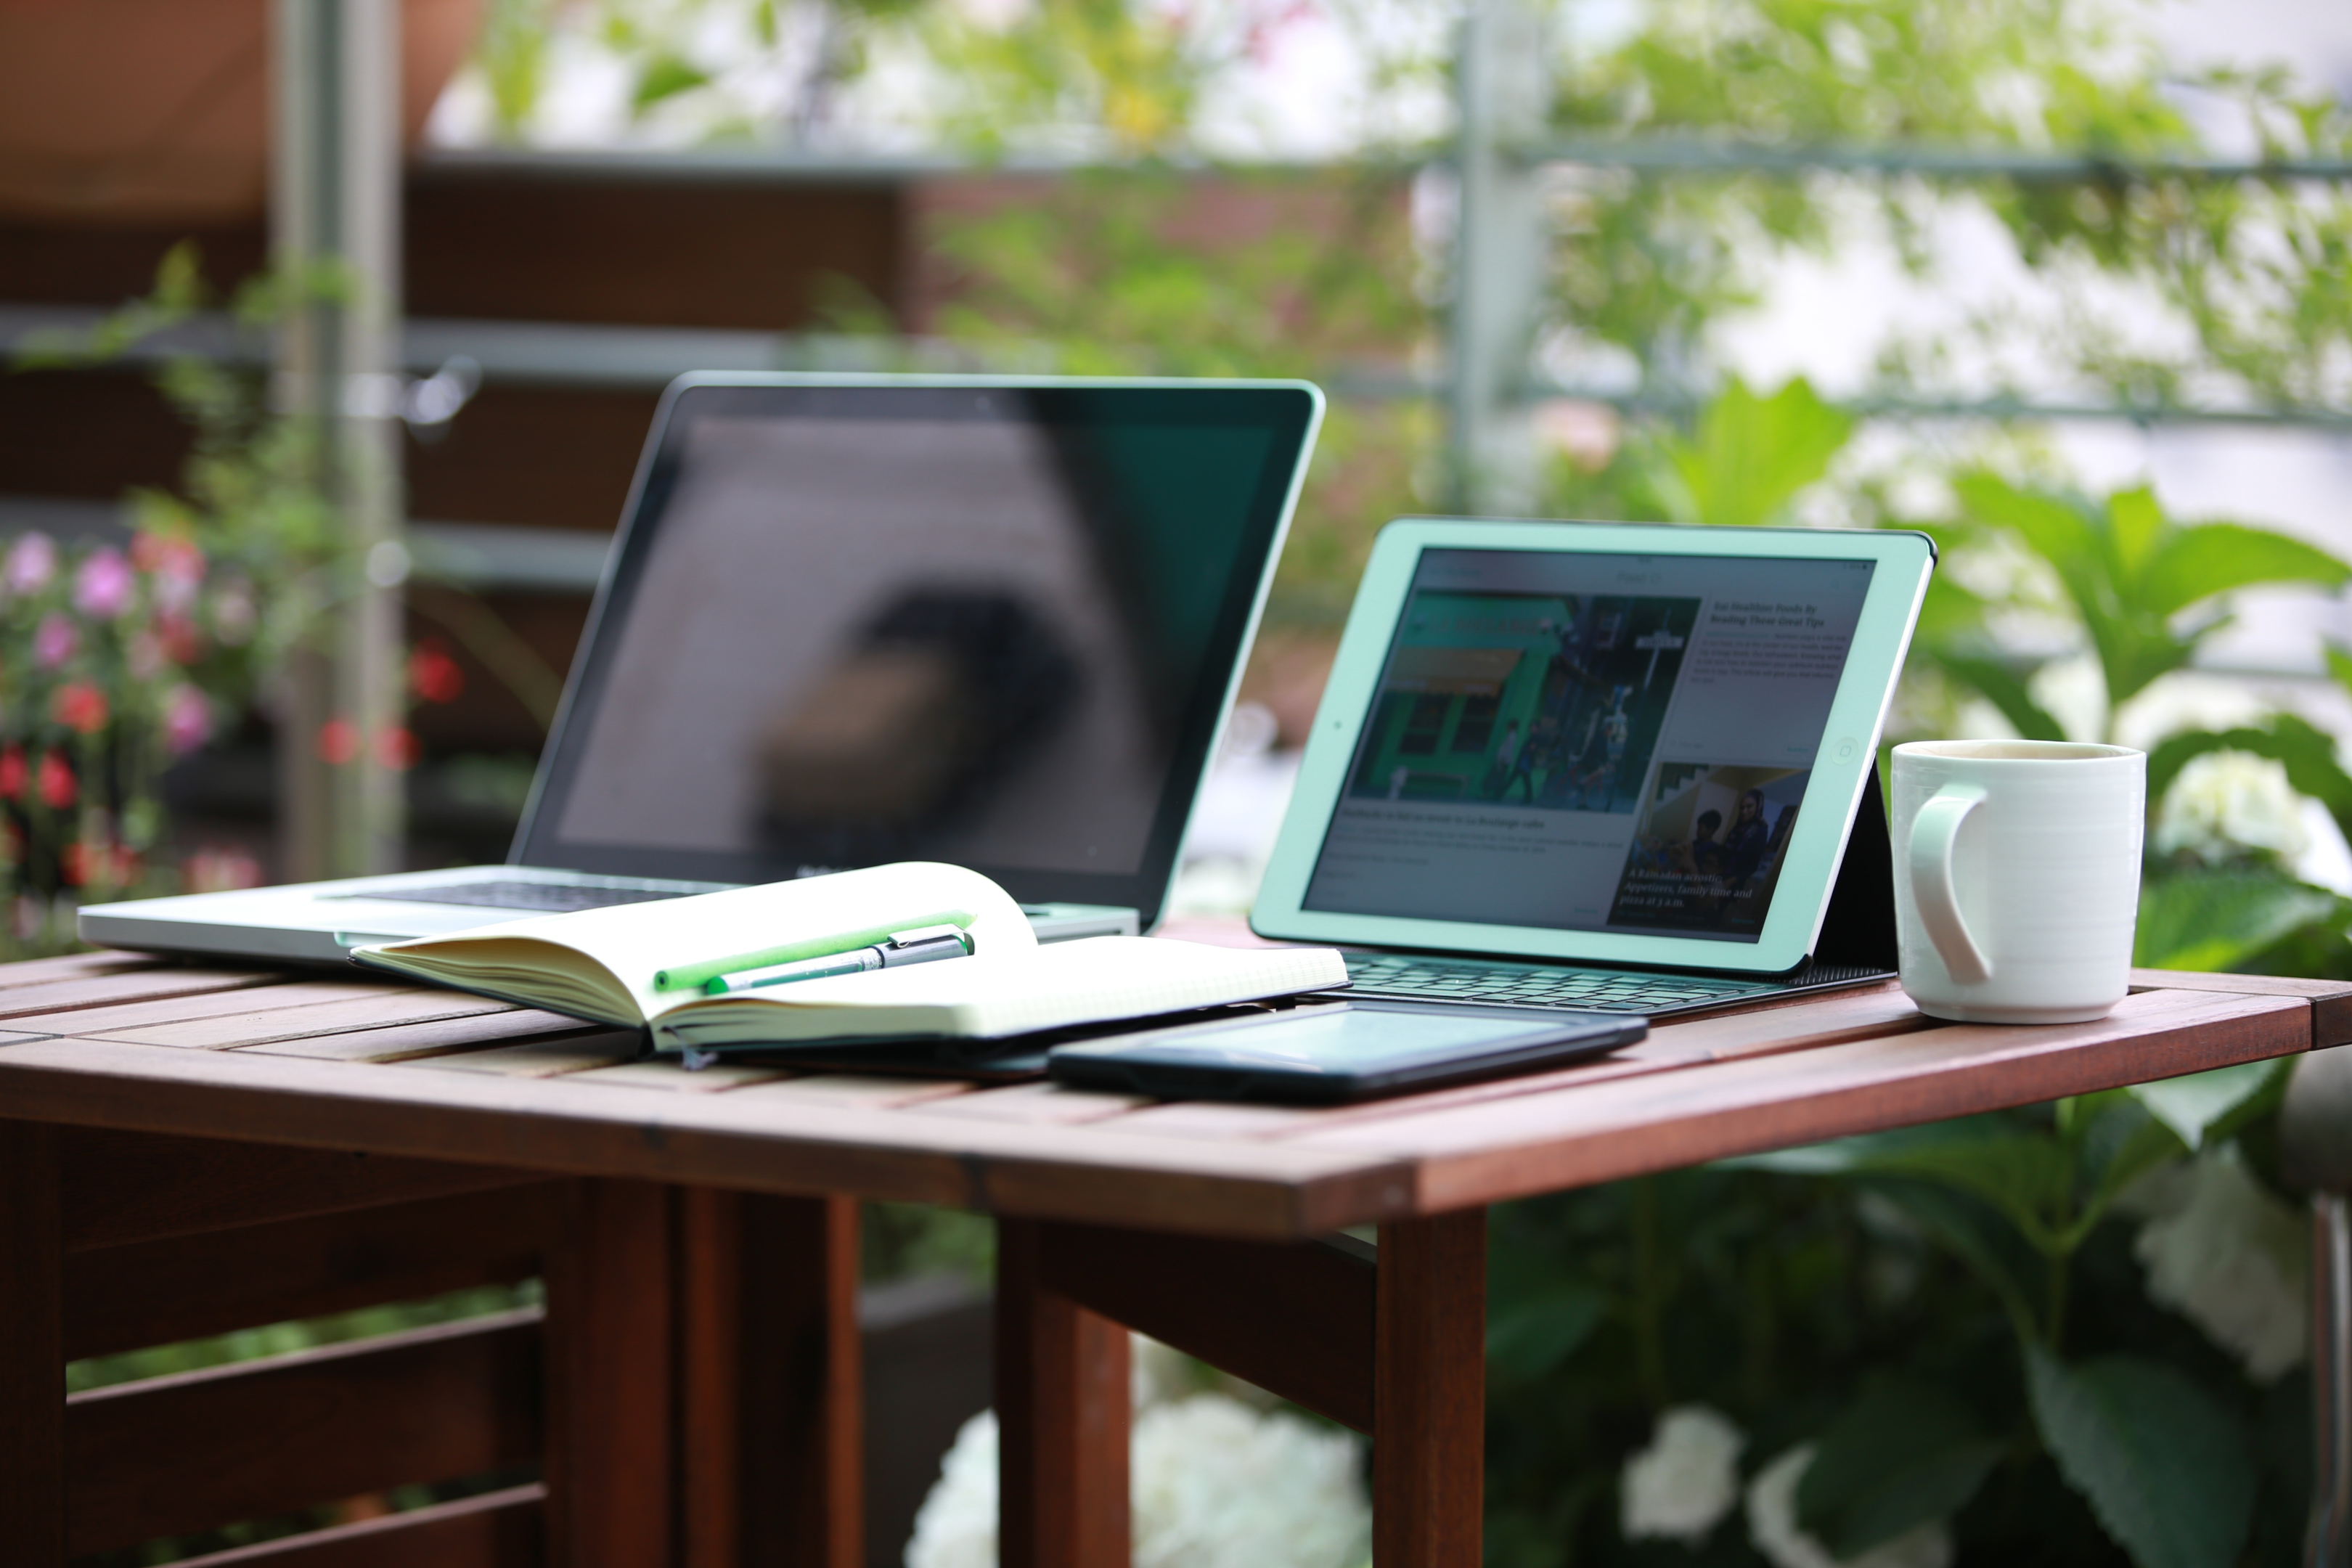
[[850, 620], [1607, 767]]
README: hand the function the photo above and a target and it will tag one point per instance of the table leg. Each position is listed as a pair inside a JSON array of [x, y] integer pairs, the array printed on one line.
[[1063, 1411], [1429, 1393], [770, 1381], [32, 1347], [609, 1317]]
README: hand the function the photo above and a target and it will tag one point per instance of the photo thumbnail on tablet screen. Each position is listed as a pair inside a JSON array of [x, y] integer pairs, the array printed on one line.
[[1553, 731]]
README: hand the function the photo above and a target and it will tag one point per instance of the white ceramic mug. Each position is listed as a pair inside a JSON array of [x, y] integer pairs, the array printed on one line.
[[2017, 877]]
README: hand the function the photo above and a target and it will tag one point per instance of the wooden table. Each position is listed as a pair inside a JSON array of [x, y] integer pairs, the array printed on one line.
[[165, 1120]]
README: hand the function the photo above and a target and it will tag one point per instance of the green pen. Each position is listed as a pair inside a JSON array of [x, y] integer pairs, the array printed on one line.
[[925, 945], [694, 976]]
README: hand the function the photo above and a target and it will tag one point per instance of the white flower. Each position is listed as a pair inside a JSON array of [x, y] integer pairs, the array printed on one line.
[[1684, 1483], [1218, 1485], [2230, 1259], [1772, 1526], [956, 1526], [1215, 1484], [2227, 803]]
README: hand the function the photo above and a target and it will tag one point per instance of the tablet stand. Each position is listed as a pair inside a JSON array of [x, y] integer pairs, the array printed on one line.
[[1859, 929]]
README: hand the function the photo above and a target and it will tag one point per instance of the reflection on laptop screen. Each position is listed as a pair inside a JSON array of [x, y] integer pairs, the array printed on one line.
[[975, 627], [1592, 743]]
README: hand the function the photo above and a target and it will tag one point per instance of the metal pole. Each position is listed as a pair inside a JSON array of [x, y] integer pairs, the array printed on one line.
[[336, 212], [1499, 271]]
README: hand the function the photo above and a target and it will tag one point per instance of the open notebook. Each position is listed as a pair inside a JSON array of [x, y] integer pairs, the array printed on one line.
[[646, 965]]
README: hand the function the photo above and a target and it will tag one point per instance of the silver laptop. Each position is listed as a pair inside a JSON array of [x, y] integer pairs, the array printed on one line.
[[1606, 767], [855, 619]]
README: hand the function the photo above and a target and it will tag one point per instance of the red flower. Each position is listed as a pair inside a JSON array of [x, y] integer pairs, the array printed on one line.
[[99, 864], [339, 742], [433, 675], [397, 749], [11, 773], [79, 706], [59, 790]]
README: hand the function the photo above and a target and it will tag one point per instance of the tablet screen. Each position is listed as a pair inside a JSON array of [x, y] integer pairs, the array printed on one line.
[[1608, 742]]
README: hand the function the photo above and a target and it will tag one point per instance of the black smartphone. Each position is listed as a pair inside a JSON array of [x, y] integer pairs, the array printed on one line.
[[1325, 1055]]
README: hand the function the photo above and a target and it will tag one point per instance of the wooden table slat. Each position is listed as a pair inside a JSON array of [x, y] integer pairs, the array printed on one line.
[[74, 966], [1670, 1047], [1572, 1138], [183, 1009], [718, 1078], [539, 1058], [876, 1092], [262, 1025], [1033, 1105], [131, 985], [401, 1043]]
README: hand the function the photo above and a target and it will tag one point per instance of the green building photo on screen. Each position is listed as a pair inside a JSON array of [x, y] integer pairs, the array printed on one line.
[[1542, 700]]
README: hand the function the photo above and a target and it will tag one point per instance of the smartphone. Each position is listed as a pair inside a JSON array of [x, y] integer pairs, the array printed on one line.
[[1330, 1054]]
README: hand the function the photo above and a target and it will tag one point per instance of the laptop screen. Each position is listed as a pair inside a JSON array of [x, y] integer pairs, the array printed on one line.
[[1592, 742], [851, 625]]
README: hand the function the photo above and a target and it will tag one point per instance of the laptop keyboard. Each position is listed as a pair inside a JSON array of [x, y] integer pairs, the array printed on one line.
[[550, 897], [1536, 984]]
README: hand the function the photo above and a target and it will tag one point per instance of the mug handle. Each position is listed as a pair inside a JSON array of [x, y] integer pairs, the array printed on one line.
[[1933, 832]]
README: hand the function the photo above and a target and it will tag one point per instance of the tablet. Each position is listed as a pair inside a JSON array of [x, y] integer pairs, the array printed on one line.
[[1338, 1052], [1636, 744]]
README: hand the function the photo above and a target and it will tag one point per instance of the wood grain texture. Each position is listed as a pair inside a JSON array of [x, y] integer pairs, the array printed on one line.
[[2331, 1000], [1429, 1393], [1294, 1318], [141, 982], [75, 966], [800, 1424], [609, 1451], [32, 1346], [203, 1005], [1792, 1026], [540, 1058], [1570, 1138], [1033, 1105], [413, 1042], [129, 1186], [261, 1025], [1064, 1412], [175, 1454], [182, 1288], [504, 1529], [754, 1139]]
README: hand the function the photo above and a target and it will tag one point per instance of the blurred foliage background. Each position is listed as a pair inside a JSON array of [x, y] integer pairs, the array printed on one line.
[[2065, 1334]]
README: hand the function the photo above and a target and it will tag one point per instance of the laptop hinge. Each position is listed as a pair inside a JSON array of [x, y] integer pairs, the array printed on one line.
[[1859, 929]]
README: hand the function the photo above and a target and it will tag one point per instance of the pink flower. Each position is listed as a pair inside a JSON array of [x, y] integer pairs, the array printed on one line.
[[176, 565], [187, 720], [102, 587], [55, 640], [32, 562]]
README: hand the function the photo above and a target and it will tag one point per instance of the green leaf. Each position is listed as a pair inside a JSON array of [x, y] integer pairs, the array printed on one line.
[[2166, 1468], [1752, 455], [2119, 1141], [2209, 923], [666, 76], [1901, 1455], [2190, 1105], [2023, 1175], [1538, 1332], [2198, 562], [2001, 687]]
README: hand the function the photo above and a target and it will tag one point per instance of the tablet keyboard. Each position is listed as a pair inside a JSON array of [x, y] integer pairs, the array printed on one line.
[[1493, 983]]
